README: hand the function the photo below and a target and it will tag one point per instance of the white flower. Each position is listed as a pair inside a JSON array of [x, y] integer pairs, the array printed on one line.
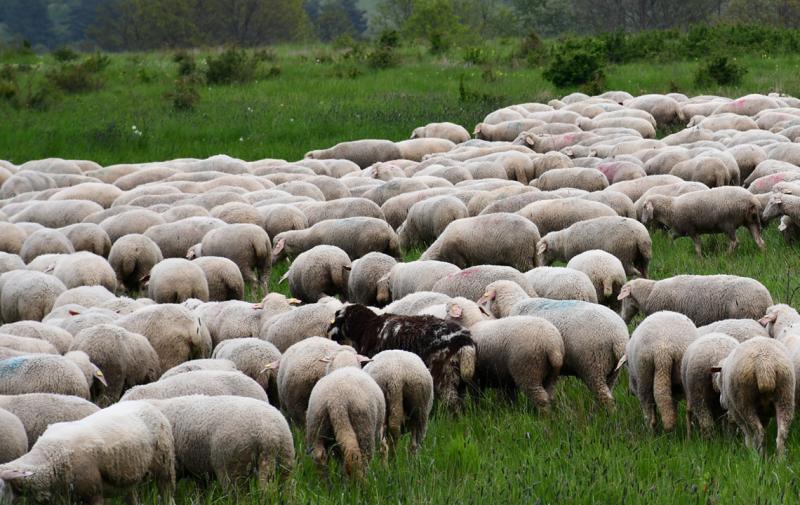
[[241, 139], [133, 127]]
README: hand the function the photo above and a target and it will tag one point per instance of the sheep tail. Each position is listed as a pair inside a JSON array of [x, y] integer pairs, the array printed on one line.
[[555, 357], [467, 362], [346, 438], [608, 287], [765, 377]]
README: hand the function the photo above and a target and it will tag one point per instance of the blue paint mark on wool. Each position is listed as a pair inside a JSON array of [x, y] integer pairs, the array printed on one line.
[[557, 304], [9, 366]]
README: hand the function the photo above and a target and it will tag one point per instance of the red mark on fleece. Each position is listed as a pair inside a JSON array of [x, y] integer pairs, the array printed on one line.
[[740, 103], [770, 180]]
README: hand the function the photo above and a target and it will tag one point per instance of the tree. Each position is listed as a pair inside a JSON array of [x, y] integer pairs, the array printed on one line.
[[27, 19]]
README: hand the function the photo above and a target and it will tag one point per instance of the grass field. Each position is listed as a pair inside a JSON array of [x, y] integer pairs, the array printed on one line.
[[497, 452]]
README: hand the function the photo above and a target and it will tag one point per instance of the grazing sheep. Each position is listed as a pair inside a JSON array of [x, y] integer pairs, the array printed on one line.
[[279, 218], [587, 179], [45, 373], [126, 359], [717, 210], [625, 238], [175, 239], [208, 364], [88, 237], [357, 236], [175, 280], [471, 283], [175, 333], [414, 303], [14, 439], [346, 407], [56, 214], [26, 345], [554, 215], [37, 411], [132, 257], [618, 202], [301, 366], [27, 295], [250, 355], [321, 271], [407, 387], [366, 274], [86, 296], [11, 238], [291, 327], [224, 279], [247, 245], [362, 152], [427, 220], [677, 189], [757, 381], [740, 329], [339, 209], [703, 298], [45, 241], [229, 437], [594, 336], [559, 283], [494, 239], [112, 450], [635, 188], [606, 273], [445, 347], [133, 221], [446, 130], [406, 278], [702, 402], [654, 355], [198, 382], [61, 339], [85, 269]]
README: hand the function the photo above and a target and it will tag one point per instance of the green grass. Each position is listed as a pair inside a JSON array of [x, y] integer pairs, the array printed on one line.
[[497, 452]]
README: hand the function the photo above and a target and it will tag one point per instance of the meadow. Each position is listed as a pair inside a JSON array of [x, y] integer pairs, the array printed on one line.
[[497, 452]]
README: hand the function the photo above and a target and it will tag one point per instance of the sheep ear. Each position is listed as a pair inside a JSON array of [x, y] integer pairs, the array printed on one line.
[[477, 129], [648, 205], [782, 226], [326, 359], [621, 362], [284, 277], [541, 247], [363, 359], [272, 366], [257, 306], [714, 369], [347, 268], [98, 374], [73, 312], [144, 279], [294, 301], [11, 474], [455, 311], [50, 268], [624, 292], [769, 318], [278, 247], [483, 311]]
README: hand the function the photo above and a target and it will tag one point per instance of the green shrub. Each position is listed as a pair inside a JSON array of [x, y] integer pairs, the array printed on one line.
[[265, 54], [74, 78], [575, 65], [273, 72], [8, 90], [64, 54], [719, 70], [186, 63], [389, 38], [382, 57], [439, 42], [233, 65], [533, 49], [476, 55], [96, 63], [185, 96]]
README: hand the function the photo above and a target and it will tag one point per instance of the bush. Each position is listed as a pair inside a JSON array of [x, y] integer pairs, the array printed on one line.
[[532, 49], [185, 96], [719, 70], [232, 66], [74, 78], [96, 63], [186, 63], [476, 55], [572, 66], [389, 38], [382, 57], [64, 54]]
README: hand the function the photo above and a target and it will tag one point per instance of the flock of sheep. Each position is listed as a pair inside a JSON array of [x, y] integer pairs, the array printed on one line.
[[100, 392]]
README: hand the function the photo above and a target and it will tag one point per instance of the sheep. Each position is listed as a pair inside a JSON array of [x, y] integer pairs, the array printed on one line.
[[407, 387], [555, 215], [446, 348], [173, 331], [111, 450], [471, 282], [127, 359], [321, 271], [635, 188], [521, 353], [61, 339], [757, 381], [332, 188], [133, 221], [237, 212], [703, 298], [175, 239], [247, 245], [346, 407], [414, 303], [618, 202], [739, 329], [178, 212], [88, 237], [48, 373], [396, 208], [398, 186], [56, 214], [132, 257], [205, 382], [12, 433], [9, 262], [223, 277], [363, 283], [625, 238], [678, 189], [502, 239], [84, 269], [249, 355], [339, 209], [175, 280], [38, 410], [782, 204], [356, 236], [450, 131], [27, 345], [208, 364], [301, 366], [561, 284], [665, 110], [702, 402], [279, 218], [28, 295], [45, 241], [228, 437], [289, 328], [654, 354], [587, 179], [362, 152], [406, 278], [11, 238], [780, 321], [427, 220], [237, 319], [606, 273], [594, 336]]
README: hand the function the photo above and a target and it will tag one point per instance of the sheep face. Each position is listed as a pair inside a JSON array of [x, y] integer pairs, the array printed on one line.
[[630, 306], [350, 323], [773, 209]]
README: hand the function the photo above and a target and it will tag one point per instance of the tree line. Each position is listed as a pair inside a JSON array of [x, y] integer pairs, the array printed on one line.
[[156, 24]]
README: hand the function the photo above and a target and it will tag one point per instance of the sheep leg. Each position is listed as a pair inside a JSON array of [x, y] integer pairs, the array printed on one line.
[[394, 417], [705, 421], [698, 246], [662, 391], [266, 470], [753, 429], [688, 419], [755, 231], [783, 416], [531, 385], [734, 242], [601, 391], [645, 393], [419, 426]]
